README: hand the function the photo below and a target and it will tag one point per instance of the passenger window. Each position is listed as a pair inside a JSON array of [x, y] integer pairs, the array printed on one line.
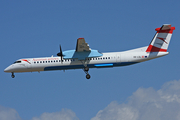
[[37, 61], [34, 62]]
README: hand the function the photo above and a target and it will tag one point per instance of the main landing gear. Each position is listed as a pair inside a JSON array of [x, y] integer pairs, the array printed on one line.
[[86, 69], [12, 75]]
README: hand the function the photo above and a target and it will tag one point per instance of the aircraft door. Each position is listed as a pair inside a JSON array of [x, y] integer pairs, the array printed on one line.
[[28, 64], [118, 57]]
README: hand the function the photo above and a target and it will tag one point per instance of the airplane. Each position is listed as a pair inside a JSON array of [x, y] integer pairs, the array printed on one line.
[[83, 57]]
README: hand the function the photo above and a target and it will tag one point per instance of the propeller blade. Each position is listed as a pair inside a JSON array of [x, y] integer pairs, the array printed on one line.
[[60, 53], [60, 49]]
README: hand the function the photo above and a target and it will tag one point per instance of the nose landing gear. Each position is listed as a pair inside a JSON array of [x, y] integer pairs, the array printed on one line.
[[12, 75]]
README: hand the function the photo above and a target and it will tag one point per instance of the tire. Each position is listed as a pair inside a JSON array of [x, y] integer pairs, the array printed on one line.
[[88, 76]]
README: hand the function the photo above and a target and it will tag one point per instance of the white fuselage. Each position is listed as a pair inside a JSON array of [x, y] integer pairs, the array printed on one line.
[[111, 59]]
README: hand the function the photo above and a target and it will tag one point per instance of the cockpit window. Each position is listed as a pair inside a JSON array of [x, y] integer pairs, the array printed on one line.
[[17, 62]]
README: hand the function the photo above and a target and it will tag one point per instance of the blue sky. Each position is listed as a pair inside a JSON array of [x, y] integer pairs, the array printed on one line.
[[36, 28]]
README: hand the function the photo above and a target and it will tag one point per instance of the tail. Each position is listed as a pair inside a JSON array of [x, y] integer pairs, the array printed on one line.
[[161, 39]]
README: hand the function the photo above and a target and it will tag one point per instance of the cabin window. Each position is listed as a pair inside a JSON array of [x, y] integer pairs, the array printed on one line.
[[37, 61], [40, 61], [34, 62], [48, 61], [56, 60]]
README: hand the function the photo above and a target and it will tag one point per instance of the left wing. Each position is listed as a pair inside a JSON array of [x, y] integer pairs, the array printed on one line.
[[82, 46]]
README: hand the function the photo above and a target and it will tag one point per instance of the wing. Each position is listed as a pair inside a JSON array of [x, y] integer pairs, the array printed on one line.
[[82, 51], [82, 46]]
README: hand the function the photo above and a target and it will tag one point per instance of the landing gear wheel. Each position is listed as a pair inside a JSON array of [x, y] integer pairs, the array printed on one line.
[[12, 75], [86, 69], [88, 76]]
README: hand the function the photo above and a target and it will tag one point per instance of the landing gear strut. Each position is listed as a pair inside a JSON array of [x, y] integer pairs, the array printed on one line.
[[86, 69], [12, 75]]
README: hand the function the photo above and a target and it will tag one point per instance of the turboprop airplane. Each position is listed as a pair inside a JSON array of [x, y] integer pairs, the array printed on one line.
[[84, 58]]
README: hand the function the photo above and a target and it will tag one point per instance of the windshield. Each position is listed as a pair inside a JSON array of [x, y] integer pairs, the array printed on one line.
[[17, 62]]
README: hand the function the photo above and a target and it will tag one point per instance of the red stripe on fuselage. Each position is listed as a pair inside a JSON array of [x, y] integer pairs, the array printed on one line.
[[155, 49], [26, 61]]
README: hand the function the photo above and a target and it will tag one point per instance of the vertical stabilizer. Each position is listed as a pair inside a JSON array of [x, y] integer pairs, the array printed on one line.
[[161, 39]]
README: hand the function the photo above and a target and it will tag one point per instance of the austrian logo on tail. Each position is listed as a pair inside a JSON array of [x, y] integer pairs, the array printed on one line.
[[163, 39]]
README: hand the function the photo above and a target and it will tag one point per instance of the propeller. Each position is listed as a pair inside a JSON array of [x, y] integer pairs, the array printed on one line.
[[60, 53]]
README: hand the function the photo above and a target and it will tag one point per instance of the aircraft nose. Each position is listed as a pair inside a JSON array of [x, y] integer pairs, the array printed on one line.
[[8, 69]]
